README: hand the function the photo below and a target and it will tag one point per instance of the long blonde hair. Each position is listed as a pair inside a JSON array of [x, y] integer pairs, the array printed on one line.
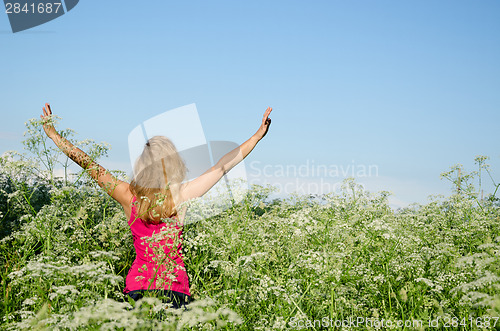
[[158, 173]]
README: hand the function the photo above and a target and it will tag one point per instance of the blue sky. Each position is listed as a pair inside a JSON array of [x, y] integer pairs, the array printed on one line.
[[408, 86]]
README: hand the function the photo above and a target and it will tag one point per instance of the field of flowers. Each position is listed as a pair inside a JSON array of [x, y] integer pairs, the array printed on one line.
[[313, 262]]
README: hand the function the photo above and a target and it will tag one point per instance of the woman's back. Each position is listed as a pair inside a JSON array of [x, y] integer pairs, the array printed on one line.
[[158, 263]]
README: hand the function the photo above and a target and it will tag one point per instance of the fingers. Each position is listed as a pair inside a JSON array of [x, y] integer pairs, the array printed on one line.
[[268, 111], [49, 111], [265, 119], [46, 111]]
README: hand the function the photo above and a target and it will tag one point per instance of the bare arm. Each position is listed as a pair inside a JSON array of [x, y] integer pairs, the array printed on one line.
[[116, 188], [207, 180]]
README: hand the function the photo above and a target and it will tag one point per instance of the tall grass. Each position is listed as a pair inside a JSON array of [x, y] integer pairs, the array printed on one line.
[[304, 262]]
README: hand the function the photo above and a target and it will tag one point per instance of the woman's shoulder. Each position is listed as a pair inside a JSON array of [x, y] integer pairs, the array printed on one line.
[[131, 208]]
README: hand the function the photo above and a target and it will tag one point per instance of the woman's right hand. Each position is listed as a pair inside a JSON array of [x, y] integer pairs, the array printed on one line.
[[264, 127], [48, 127]]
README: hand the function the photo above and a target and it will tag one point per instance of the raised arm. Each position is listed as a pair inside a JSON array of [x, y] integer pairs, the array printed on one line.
[[199, 186], [116, 188]]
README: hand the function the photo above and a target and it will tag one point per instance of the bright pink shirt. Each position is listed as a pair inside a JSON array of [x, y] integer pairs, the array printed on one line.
[[145, 268]]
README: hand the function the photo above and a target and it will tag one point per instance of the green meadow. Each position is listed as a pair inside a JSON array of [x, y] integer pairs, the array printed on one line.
[[338, 261]]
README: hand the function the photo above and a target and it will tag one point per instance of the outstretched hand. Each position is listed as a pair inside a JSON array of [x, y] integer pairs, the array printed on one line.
[[266, 122], [48, 127]]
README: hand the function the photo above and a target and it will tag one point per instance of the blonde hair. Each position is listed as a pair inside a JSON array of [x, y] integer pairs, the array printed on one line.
[[158, 172]]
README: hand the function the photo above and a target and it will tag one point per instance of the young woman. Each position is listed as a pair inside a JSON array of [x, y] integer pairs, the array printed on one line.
[[150, 203]]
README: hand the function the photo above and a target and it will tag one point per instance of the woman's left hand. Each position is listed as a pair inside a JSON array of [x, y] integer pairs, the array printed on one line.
[[48, 127], [266, 122]]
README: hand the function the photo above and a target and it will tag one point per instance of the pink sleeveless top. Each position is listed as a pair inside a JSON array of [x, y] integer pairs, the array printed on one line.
[[158, 263]]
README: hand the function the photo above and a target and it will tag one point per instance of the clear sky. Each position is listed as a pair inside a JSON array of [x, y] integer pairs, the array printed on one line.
[[411, 87]]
